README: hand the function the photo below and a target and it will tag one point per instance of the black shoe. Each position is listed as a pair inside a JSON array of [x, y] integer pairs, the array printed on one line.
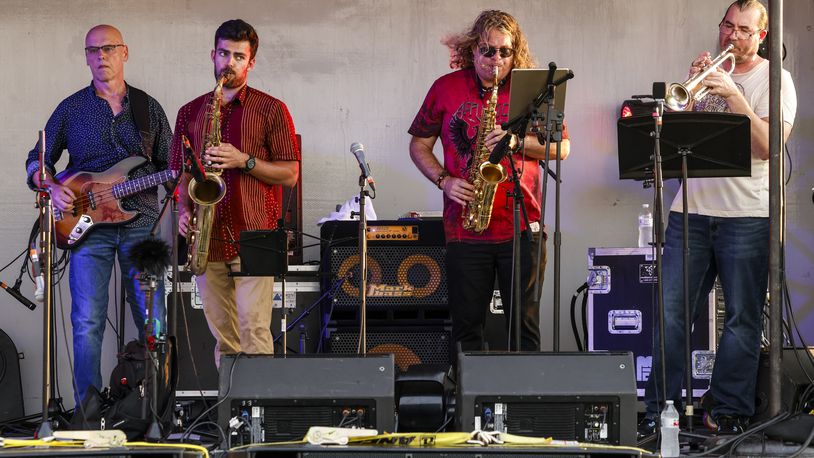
[[647, 427], [730, 424]]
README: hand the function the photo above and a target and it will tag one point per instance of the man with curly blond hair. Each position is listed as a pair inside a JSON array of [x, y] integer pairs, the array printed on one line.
[[452, 111]]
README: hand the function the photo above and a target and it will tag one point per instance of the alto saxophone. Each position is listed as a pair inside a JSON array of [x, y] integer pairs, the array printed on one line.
[[483, 175], [207, 193]]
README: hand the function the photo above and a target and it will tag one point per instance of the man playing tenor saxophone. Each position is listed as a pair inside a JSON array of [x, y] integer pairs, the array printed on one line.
[[254, 153], [460, 104]]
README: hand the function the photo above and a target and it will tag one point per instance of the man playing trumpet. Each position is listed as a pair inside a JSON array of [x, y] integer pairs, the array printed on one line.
[[728, 232]]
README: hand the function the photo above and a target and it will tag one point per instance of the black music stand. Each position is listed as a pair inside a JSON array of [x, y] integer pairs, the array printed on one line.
[[264, 253], [691, 145], [714, 144]]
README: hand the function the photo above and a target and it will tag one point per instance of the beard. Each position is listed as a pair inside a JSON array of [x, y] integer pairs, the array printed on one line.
[[233, 80]]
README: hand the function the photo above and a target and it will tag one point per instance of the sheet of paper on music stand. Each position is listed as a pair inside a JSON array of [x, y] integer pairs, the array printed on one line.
[[528, 83]]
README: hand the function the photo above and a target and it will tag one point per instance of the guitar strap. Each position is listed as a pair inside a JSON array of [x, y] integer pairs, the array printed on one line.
[[140, 111]]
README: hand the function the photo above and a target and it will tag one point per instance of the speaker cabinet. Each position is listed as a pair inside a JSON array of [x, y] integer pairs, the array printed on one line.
[[587, 397], [406, 266], [796, 369], [11, 387], [272, 399], [411, 345]]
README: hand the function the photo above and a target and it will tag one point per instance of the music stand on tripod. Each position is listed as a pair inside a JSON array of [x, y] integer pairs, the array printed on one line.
[[692, 145], [264, 253]]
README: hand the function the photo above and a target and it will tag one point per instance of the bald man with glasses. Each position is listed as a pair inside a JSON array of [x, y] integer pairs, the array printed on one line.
[[101, 125]]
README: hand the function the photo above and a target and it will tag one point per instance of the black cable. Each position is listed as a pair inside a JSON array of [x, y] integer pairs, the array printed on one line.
[[574, 329], [737, 439], [585, 318], [14, 260], [224, 398], [189, 343], [220, 431]]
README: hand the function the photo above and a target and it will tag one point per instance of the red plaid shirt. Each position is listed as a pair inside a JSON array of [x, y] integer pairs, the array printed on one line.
[[257, 124]]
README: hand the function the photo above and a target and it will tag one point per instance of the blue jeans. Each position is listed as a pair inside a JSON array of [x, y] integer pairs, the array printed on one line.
[[737, 251], [90, 270]]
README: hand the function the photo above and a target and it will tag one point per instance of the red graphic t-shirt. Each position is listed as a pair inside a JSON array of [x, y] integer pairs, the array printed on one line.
[[452, 111]]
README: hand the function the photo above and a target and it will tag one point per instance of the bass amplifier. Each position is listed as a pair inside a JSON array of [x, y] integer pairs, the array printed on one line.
[[406, 267], [410, 345], [621, 309]]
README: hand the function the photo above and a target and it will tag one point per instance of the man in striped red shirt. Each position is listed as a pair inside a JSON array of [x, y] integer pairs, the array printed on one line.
[[258, 153]]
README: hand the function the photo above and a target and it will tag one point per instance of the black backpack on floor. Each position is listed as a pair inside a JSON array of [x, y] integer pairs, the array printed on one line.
[[126, 404]]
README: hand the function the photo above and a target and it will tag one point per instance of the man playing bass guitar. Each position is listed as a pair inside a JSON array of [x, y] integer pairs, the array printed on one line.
[[102, 125]]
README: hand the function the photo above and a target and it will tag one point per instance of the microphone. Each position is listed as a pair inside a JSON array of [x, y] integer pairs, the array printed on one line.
[[358, 150], [195, 166], [659, 90], [36, 270], [15, 292], [500, 149]]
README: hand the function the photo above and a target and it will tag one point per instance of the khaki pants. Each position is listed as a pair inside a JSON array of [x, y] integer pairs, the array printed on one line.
[[237, 309]]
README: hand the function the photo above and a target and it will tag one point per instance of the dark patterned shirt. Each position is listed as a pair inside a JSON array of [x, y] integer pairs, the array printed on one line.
[[257, 124], [96, 140]]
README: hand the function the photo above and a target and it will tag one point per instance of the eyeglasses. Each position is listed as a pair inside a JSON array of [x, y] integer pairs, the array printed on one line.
[[106, 49], [489, 51], [729, 29]]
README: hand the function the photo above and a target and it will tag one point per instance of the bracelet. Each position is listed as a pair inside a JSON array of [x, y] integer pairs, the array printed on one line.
[[440, 179]]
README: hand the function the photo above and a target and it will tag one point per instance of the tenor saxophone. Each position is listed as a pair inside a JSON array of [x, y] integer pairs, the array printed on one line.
[[207, 193], [483, 175]]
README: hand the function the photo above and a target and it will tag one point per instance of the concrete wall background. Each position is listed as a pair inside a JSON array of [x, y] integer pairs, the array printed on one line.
[[357, 70]]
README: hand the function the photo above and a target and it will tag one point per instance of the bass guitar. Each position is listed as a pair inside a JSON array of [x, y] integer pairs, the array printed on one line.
[[98, 199]]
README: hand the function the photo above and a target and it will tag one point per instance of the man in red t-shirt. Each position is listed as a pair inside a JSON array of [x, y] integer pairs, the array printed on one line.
[[258, 152], [452, 111]]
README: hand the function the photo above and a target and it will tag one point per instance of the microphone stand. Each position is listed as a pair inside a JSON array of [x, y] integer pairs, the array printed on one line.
[[658, 189], [44, 203], [362, 348], [552, 117], [518, 126], [154, 343], [519, 210]]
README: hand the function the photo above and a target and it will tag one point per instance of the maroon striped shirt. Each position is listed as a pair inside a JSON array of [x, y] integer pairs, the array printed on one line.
[[257, 124]]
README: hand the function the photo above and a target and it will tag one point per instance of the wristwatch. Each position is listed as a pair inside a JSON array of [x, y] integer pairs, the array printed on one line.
[[250, 162]]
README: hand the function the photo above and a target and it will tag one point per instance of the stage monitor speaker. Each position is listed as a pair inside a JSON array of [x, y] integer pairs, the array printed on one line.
[[795, 377], [410, 345], [587, 397], [406, 265], [11, 387], [196, 347], [269, 399]]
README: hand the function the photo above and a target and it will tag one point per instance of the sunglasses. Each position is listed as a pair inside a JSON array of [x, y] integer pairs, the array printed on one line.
[[489, 51]]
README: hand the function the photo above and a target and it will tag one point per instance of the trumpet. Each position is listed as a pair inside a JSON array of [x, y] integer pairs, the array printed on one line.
[[679, 95]]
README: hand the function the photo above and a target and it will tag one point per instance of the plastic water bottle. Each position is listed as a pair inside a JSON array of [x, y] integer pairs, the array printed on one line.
[[645, 226], [669, 431]]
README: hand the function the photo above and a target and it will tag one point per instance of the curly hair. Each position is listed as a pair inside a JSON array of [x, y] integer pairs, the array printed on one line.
[[460, 45]]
